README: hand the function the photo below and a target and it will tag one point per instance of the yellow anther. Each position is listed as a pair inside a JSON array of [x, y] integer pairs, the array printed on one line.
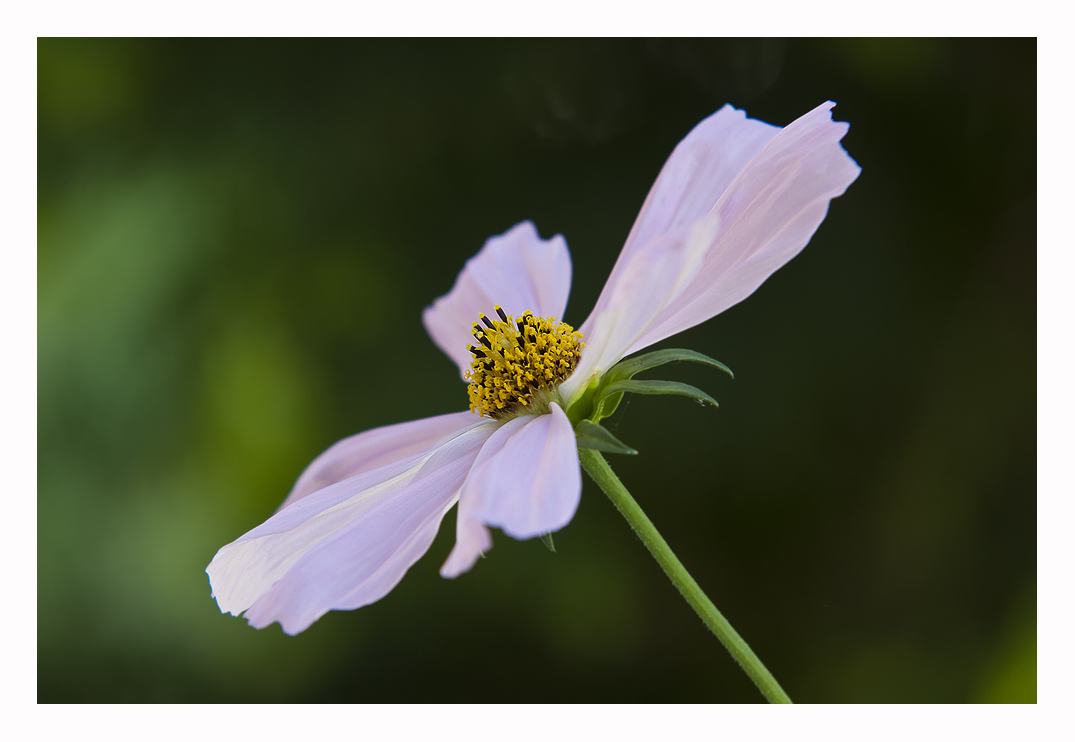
[[516, 360]]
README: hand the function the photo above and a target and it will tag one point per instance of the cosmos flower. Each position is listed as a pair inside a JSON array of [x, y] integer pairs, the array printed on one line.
[[737, 199]]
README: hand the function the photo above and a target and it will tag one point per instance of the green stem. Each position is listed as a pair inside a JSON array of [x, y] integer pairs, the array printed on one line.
[[596, 466]]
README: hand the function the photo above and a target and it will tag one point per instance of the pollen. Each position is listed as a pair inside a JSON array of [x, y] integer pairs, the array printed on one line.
[[518, 362]]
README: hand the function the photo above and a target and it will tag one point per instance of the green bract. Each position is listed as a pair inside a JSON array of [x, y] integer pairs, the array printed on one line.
[[603, 395], [592, 436]]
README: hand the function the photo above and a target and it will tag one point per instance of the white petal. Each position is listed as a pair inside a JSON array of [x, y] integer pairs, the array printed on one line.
[[517, 270], [374, 448], [532, 485], [767, 216], [345, 545], [696, 174], [744, 228], [652, 278], [472, 538]]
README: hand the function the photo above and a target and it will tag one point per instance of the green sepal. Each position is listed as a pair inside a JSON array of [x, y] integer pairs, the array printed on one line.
[[653, 386], [605, 406], [582, 407], [547, 540], [627, 369], [608, 397], [592, 436]]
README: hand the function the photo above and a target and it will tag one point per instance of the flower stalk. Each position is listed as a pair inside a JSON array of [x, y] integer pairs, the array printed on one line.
[[595, 465]]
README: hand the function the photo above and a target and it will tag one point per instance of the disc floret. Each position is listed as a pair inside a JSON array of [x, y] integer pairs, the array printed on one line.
[[518, 363]]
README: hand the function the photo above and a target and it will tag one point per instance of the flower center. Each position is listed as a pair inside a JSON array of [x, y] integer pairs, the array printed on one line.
[[518, 363]]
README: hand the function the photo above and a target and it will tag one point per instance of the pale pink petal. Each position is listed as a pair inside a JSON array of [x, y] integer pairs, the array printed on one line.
[[472, 538], [755, 222], [767, 216], [375, 448], [532, 485], [517, 270], [696, 174], [652, 278], [348, 544]]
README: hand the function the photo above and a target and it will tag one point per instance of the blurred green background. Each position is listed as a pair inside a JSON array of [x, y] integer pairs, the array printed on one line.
[[236, 241]]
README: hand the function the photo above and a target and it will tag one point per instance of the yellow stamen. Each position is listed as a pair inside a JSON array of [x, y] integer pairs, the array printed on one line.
[[516, 361]]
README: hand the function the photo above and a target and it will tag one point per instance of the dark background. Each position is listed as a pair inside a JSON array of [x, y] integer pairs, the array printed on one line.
[[236, 240]]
